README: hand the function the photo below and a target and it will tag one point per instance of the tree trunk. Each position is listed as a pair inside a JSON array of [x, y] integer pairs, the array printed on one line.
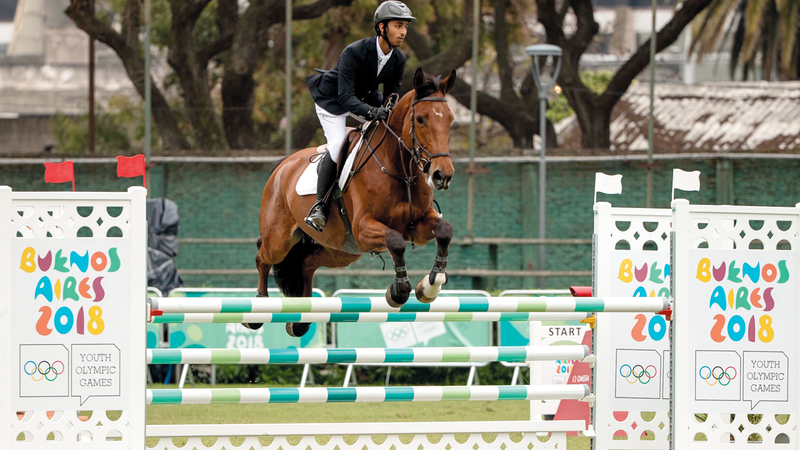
[[598, 132], [520, 124], [593, 112], [193, 75], [128, 51], [249, 43]]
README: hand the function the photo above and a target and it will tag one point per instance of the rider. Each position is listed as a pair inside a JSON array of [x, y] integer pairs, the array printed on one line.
[[352, 86]]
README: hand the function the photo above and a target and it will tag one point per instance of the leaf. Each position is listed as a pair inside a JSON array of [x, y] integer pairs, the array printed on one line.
[[753, 26]]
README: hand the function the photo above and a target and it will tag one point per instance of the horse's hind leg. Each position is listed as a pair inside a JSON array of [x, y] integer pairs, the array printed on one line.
[[263, 279], [432, 225], [263, 273], [300, 329]]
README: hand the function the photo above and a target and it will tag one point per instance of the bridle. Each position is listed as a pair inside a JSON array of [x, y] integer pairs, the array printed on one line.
[[423, 162]]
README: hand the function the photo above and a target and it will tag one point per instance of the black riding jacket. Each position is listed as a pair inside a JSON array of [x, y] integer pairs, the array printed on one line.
[[352, 84]]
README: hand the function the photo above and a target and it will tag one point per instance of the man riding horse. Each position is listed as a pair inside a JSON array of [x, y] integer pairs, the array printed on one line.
[[352, 87], [388, 199]]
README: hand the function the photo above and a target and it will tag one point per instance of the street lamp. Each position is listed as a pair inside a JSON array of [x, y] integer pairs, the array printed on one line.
[[551, 56]]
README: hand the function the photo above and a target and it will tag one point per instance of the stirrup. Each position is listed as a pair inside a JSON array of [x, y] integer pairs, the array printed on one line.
[[316, 218]]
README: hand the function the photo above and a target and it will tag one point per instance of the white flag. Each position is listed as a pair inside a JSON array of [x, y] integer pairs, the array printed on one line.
[[607, 184], [685, 181]]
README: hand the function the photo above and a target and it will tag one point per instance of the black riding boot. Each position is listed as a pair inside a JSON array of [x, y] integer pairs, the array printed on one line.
[[326, 175]]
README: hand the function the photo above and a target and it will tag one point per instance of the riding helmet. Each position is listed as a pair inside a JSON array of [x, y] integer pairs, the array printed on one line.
[[392, 10]]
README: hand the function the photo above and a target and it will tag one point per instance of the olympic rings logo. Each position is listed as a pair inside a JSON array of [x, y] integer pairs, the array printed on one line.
[[638, 372], [44, 373], [399, 333], [717, 375]]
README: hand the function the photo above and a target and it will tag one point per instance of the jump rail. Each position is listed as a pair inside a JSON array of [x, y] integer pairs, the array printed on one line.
[[216, 305], [365, 394], [361, 317], [375, 309], [365, 355]]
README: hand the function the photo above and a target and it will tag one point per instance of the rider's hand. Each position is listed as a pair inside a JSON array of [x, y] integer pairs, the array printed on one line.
[[378, 113]]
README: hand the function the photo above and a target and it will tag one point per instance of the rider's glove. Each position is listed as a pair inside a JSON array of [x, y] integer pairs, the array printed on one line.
[[378, 113]]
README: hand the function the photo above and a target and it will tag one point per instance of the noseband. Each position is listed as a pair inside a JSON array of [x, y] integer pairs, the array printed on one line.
[[423, 162]]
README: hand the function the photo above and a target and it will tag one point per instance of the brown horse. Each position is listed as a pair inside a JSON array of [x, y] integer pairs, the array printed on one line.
[[389, 201]]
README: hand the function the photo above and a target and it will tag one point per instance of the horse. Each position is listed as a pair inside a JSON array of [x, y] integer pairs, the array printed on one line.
[[389, 201]]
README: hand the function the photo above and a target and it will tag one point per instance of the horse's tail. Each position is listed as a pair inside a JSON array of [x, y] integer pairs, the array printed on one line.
[[289, 272]]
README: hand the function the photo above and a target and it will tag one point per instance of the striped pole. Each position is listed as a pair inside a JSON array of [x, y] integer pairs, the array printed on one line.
[[365, 355], [364, 394], [379, 305], [362, 317]]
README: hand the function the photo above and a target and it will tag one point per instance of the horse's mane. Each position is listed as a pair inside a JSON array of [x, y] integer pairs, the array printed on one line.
[[429, 87]]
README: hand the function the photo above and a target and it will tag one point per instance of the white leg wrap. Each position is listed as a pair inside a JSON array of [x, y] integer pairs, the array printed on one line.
[[431, 291]]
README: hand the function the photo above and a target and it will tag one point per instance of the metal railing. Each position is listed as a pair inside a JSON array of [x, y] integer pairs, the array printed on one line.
[[470, 272]]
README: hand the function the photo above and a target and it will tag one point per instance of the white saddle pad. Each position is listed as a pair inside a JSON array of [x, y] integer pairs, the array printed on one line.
[[307, 184]]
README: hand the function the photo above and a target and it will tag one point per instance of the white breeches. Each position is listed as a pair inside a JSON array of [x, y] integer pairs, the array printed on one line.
[[334, 128]]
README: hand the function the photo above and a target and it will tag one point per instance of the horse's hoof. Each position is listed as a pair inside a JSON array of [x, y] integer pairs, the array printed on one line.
[[427, 292], [394, 298], [253, 326], [420, 293], [297, 329]]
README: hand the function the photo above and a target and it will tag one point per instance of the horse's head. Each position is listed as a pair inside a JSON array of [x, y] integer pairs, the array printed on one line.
[[426, 129]]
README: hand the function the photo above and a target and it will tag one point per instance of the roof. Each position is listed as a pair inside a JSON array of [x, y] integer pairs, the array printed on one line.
[[713, 117]]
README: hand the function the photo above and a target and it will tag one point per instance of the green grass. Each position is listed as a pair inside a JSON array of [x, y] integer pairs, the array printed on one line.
[[344, 412]]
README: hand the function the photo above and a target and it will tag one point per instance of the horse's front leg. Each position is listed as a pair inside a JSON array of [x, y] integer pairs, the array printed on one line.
[[373, 235], [432, 225]]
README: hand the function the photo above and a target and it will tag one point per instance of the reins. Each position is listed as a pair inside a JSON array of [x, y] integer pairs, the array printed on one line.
[[423, 163]]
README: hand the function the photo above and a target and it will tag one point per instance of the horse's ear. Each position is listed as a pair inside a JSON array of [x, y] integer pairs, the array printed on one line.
[[447, 84], [419, 78]]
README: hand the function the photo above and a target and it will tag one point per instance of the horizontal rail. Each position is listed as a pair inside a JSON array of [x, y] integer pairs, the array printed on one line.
[[364, 317], [373, 428], [379, 305], [364, 394], [365, 355], [414, 272]]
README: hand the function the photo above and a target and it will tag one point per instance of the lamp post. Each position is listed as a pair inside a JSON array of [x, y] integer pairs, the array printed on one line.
[[551, 55]]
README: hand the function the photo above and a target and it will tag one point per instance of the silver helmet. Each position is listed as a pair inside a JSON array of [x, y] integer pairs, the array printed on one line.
[[391, 10]]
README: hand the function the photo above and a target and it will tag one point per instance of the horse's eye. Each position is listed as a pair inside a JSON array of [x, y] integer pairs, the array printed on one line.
[[420, 120]]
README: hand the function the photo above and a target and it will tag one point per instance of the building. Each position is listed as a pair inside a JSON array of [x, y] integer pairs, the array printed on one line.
[[44, 71], [755, 116]]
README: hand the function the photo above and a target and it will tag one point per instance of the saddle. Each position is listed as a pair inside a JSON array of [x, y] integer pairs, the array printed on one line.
[[351, 136]]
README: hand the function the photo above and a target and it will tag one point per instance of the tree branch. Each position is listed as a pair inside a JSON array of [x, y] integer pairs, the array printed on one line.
[[664, 38], [419, 43], [81, 14], [505, 72], [313, 10], [221, 44], [451, 58], [587, 27]]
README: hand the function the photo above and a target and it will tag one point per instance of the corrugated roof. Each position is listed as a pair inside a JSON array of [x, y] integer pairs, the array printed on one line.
[[713, 117]]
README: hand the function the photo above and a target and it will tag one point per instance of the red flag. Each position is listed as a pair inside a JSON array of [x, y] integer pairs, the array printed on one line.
[[131, 167], [59, 173]]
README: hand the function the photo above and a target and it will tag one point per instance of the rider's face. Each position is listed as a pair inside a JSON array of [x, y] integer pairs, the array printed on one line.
[[396, 31]]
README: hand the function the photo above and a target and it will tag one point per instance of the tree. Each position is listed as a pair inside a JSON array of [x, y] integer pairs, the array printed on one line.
[[593, 111], [236, 42], [127, 45], [766, 28], [513, 108]]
